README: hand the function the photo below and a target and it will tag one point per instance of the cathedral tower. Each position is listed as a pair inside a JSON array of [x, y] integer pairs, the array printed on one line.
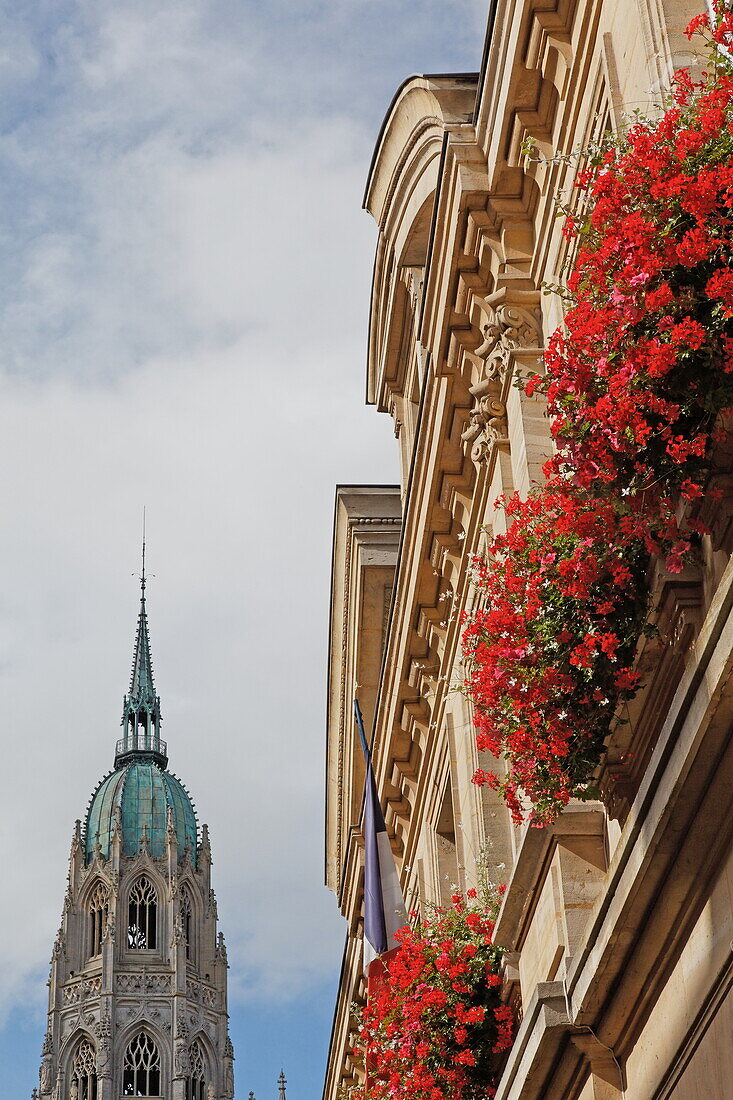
[[138, 987]]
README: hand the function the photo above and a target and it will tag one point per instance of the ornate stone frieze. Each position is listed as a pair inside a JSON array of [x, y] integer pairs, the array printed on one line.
[[143, 983], [202, 994], [86, 987]]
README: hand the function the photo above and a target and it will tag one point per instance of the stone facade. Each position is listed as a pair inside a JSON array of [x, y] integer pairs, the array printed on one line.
[[138, 986], [618, 919]]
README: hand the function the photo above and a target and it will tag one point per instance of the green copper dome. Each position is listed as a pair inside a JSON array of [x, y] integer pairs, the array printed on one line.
[[138, 795]]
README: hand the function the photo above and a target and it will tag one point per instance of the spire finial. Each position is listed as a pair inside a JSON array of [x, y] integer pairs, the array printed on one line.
[[281, 1085], [142, 575], [141, 708]]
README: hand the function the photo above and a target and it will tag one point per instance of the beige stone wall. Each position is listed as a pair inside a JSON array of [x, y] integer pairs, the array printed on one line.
[[616, 935]]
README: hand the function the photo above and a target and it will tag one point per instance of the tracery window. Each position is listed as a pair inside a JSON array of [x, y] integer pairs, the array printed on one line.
[[83, 1084], [196, 1082], [142, 924], [98, 916], [141, 1069], [187, 921]]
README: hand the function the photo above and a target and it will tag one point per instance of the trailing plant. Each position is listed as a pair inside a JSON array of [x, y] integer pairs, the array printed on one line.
[[434, 1025], [639, 386]]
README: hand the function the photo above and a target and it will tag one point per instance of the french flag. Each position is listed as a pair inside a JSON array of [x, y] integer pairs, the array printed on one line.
[[384, 905]]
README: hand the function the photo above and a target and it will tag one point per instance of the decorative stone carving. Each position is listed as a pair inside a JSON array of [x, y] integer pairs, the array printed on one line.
[[178, 936], [205, 994], [143, 983], [509, 327], [488, 425], [228, 1069], [104, 1067], [181, 1060], [170, 827], [205, 845], [47, 1074], [86, 987], [221, 948], [59, 945]]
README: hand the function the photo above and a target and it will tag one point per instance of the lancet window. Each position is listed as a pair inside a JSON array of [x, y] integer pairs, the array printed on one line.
[[142, 924], [98, 917], [187, 921], [196, 1082], [83, 1084], [141, 1069]]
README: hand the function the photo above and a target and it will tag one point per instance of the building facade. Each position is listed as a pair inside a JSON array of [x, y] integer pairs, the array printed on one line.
[[617, 919], [137, 1002]]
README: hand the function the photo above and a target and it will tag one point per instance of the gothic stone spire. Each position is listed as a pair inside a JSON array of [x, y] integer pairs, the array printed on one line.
[[141, 707]]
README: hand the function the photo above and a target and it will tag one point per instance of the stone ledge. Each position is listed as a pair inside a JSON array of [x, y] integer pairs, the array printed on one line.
[[541, 1033], [530, 868]]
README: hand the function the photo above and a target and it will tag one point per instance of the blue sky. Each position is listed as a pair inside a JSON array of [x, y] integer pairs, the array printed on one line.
[[184, 281]]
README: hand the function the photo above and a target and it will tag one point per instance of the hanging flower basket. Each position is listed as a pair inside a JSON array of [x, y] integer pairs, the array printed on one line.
[[434, 1026]]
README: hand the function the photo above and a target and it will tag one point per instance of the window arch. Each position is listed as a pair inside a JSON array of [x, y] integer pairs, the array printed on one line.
[[196, 1081], [142, 923], [141, 1069], [83, 1084], [186, 909], [98, 916]]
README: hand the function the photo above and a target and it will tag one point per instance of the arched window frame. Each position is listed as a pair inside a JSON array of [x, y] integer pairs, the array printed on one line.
[[186, 910], [84, 1071], [98, 912], [142, 916], [141, 1070], [196, 1081]]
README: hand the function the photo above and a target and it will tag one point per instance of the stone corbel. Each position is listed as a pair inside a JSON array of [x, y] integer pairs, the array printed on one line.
[[488, 426], [512, 328]]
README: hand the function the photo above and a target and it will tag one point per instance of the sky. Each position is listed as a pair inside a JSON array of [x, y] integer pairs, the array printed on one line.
[[184, 291]]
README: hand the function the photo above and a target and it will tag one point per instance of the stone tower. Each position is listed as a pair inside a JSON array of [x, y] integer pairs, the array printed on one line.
[[138, 987]]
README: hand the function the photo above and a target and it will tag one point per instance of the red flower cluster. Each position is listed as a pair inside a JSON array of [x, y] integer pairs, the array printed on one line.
[[436, 1024], [638, 382]]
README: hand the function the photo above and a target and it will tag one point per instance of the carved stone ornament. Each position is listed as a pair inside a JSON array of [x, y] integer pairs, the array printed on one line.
[[178, 937], [181, 1061], [509, 326], [228, 1069], [104, 1059], [488, 424], [58, 945], [46, 1080]]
